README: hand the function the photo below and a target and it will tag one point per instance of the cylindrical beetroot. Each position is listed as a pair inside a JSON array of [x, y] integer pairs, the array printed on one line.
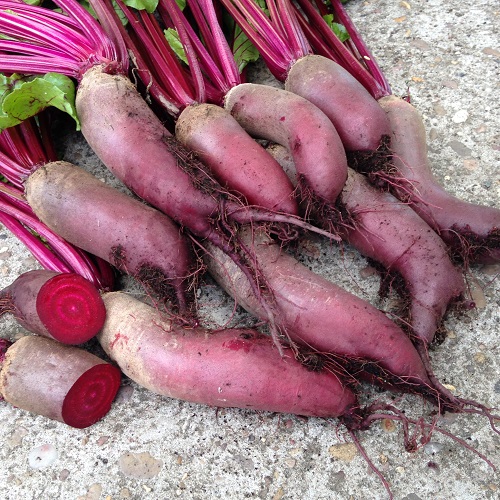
[[472, 231], [100, 219], [298, 125], [394, 236], [60, 382], [62, 306], [358, 118], [317, 313], [237, 161], [324, 317], [227, 368], [155, 171]]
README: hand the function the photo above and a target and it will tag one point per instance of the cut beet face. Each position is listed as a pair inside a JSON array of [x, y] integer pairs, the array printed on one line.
[[71, 308], [61, 382], [90, 397]]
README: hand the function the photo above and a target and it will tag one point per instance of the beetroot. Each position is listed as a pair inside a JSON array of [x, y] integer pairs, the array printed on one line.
[[123, 231], [62, 306], [472, 231], [236, 160], [317, 313], [412, 258], [357, 117], [335, 323], [60, 382], [224, 368], [287, 119]]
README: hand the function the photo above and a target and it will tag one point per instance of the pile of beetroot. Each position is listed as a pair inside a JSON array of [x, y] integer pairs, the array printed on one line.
[[337, 154]]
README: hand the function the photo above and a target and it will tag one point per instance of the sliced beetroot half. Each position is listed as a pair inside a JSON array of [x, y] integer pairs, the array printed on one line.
[[90, 397], [71, 308], [61, 382]]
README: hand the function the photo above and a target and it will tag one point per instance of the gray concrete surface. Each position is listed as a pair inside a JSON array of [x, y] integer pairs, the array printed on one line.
[[151, 447]]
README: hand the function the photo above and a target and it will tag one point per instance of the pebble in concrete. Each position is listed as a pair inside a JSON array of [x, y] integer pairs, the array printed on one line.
[[42, 456], [140, 465]]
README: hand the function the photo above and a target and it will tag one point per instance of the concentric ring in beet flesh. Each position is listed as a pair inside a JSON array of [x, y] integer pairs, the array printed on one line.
[[90, 397], [71, 308]]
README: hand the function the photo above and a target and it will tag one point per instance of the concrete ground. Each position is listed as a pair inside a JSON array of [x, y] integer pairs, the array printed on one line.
[[150, 447]]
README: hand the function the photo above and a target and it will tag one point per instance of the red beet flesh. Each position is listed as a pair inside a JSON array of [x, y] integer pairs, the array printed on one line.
[[71, 308], [90, 397]]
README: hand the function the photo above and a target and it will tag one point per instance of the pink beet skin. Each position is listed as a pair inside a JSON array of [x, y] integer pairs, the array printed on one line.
[[236, 160], [392, 234], [100, 219], [472, 231], [297, 124], [224, 368], [319, 314], [152, 171], [358, 118]]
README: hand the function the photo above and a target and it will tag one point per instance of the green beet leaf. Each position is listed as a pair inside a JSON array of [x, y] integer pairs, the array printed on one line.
[[244, 50], [23, 97], [147, 5], [175, 44], [150, 5], [339, 29]]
